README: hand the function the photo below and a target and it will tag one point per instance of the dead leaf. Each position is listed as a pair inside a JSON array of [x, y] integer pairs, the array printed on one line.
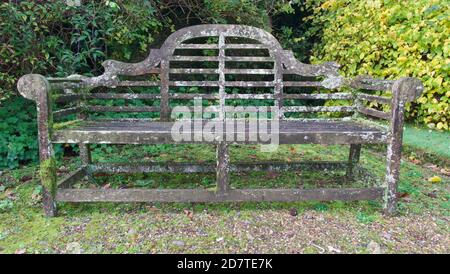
[[432, 194], [25, 178], [272, 175], [189, 214], [293, 212], [20, 251], [435, 179], [374, 248], [332, 249]]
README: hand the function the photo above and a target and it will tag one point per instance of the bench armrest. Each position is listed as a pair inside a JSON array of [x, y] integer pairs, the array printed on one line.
[[406, 89], [36, 87]]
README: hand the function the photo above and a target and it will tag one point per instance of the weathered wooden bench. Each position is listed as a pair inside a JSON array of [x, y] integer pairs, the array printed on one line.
[[221, 64]]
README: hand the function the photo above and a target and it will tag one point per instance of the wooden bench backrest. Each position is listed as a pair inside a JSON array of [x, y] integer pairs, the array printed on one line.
[[224, 65]]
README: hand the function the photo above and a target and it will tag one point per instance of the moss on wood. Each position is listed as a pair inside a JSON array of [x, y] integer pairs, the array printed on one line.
[[67, 124], [47, 173]]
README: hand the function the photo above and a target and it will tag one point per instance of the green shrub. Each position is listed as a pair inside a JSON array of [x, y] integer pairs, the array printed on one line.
[[391, 39], [54, 38], [18, 131]]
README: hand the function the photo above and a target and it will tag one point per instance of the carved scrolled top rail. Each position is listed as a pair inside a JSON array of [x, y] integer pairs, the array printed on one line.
[[285, 59]]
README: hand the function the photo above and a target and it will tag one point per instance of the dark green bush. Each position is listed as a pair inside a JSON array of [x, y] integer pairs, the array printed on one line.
[[53, 38]]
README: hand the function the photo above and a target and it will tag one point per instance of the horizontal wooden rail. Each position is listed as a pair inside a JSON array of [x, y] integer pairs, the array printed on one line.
[[245, 46], [316, 96], [318, 109], [250, 96], [66, 111], [128, 83], [122, 109], [127, 96], [249, 59], [193, 96], [301, 84], [201, 195], [194, 58], [375, 98], [197, 46], [249, 71], [374, 113], [193, 71]]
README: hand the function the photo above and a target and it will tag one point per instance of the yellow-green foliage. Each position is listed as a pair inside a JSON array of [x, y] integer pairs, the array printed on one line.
[[47, 172], [391, 39]]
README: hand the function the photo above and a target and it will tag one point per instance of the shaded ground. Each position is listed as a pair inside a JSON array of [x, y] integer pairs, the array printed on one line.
[[303, 227]]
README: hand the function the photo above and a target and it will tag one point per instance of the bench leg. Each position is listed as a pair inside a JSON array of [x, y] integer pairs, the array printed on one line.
[[47, 173], [353, 159], [392, 176], [222, 168]]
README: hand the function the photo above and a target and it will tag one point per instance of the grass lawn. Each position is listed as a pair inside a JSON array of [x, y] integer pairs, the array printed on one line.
[[302, 227], [430, 143]]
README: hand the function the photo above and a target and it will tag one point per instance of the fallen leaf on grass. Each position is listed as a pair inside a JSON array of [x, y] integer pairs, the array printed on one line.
[[332, 249], [374, 248], [272, 175], [293, 212], [25, 178], [434, 179], [432, 194], [189, 214], [20, 251]]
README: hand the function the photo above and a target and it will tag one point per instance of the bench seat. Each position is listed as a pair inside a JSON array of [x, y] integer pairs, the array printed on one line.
[[151, 132]]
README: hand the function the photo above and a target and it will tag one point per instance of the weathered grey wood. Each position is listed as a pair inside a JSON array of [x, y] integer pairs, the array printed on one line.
[[249, 59], [156, 68], [72, 178], [245, 46], [194, 71], [369, 83], [93, 108], [248, 71], [66, 111], [302, 84], [193, 58], [316, 96], [404, 90], [128, 96], [194, 83], [374, 113], [319, 109], [191, 96], [353, 159], [250, 96], [164, 103], [232, 195], [153, 132], [197, 46], [375, 98], [37, 88]]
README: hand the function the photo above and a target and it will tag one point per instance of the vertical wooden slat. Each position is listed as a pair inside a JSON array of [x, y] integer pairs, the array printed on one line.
[[164, 105], [278, 86], [85, 150], [222, 76], [353, 159]]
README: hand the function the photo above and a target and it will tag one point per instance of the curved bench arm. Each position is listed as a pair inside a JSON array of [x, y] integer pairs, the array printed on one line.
[[36, 87]]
